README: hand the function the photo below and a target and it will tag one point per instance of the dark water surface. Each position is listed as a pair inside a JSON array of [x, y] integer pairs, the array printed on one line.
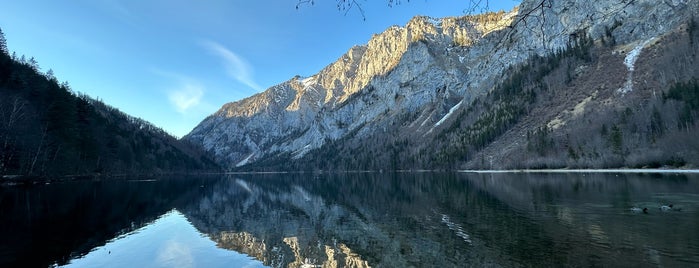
[[355, 220]]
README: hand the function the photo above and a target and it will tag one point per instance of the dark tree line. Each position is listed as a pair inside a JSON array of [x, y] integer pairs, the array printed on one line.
[[48, 130]]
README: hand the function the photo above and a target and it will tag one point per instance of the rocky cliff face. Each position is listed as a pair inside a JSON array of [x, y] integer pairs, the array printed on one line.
[[401, 69], [408, 83]]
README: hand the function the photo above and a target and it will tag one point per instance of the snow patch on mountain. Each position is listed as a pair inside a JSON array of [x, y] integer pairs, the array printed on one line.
[[245, 161], [630, 62], [451, 111], [306, 82]]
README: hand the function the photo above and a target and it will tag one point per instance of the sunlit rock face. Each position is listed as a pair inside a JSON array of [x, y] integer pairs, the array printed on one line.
[[401, 69], [414, 75], [243, 242]]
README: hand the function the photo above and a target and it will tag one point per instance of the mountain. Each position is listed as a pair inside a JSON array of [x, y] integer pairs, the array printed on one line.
[[549, 84], [47, 130]]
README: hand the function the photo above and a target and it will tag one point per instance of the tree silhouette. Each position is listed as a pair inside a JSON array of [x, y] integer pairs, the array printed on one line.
[[3, 43]]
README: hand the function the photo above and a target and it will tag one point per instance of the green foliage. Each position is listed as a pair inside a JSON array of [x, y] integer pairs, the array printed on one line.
[[616, 139], [689, 94], [656, 122], [540, 141], [531, 74], [572, 154], [686, 92]]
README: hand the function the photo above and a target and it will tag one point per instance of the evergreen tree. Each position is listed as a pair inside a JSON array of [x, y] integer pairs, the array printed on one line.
[[3, 43]]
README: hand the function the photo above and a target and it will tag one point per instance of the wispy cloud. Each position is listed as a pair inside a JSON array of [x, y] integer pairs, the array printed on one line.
[[237, 67], [186, 96], [175, 253]]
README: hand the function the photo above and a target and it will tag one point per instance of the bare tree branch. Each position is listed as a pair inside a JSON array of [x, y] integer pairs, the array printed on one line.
[[473, 7]]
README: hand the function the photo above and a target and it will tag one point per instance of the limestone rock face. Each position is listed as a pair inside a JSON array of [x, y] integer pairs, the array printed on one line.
[[418, 74]]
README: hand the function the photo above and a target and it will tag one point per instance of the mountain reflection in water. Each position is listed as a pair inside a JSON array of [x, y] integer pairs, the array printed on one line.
[[356, 220]]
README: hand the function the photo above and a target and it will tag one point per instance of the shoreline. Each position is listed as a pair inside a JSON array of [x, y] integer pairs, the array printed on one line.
[[657, 171], [12, 179], [20, 179]]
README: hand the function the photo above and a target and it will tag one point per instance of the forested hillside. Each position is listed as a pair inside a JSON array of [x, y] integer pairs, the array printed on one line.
[[46, 129]]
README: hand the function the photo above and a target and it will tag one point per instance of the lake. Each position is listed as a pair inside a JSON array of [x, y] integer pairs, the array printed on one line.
[[355, 220]]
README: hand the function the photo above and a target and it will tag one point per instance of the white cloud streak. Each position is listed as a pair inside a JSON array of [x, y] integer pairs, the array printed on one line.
[[236, 66], [187, 96]]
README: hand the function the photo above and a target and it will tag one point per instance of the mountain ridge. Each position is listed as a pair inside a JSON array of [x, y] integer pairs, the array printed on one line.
[[409, 83], [339, 81]]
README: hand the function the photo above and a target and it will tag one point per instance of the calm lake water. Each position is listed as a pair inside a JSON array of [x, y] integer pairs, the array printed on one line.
[[355, 220]]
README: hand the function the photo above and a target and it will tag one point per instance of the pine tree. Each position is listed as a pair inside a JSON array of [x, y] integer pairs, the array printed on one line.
[[3, 43]]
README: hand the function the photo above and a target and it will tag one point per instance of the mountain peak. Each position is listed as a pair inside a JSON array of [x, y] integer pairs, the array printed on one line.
[[417, 77]]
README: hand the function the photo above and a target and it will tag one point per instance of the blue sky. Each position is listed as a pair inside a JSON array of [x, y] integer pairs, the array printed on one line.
[[174, 62]]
